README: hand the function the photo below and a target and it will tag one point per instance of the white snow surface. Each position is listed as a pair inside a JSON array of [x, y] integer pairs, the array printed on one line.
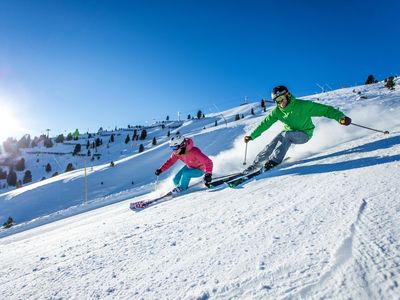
[[323, 225]]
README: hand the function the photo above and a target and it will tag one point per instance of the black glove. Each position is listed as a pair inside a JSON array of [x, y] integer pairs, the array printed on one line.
[[158, 172], [247, 138], [346, 121], [207, 178]]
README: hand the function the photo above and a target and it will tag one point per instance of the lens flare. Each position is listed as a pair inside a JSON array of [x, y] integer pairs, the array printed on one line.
[[9, 125]]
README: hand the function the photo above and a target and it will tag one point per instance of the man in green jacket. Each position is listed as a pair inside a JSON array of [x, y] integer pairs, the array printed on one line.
[[296, 115]]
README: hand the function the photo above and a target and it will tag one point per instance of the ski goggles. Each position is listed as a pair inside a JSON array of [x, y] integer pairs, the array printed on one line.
[[281, 98], [176, 147]]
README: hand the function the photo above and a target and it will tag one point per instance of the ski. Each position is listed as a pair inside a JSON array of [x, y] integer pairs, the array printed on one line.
[[243, 178], [140, 205], [221, 180]]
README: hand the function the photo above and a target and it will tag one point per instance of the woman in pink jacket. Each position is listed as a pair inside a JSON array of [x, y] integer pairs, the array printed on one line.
[[196, 163]]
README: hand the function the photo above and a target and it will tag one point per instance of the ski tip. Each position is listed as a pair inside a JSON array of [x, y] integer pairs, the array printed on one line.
[[137, 206]]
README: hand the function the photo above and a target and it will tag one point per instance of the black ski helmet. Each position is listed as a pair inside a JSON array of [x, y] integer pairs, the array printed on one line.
[[278, 91]]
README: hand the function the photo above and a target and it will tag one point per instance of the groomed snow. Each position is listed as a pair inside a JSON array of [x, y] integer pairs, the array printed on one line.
[[325, 224]]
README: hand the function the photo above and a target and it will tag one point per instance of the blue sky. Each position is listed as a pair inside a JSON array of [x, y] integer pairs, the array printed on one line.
[[86, 64]]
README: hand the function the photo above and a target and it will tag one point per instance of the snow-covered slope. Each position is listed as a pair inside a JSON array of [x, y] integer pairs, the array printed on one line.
[[325, 224], [132, 175]]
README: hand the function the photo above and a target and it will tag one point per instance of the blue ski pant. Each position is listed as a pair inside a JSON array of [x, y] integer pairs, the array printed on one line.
[[182, 178], [276, 150]]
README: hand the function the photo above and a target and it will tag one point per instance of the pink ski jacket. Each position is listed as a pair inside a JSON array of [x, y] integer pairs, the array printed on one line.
[[193, 158]]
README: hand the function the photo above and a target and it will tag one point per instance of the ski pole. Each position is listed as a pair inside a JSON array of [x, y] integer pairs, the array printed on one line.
[[384, 132], [245, 155], [156, 184]]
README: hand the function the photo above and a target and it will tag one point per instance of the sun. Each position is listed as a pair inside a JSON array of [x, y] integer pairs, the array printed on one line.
[[9, 125]]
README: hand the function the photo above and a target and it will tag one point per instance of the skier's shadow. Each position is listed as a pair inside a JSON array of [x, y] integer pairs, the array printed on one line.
[[346, 165]]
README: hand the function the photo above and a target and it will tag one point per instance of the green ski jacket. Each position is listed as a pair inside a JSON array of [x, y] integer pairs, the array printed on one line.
[[297, 116]]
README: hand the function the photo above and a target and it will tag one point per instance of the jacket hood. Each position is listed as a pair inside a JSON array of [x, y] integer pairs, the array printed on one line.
[[189, 144]]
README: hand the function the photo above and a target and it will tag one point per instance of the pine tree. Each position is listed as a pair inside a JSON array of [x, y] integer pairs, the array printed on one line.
[[27, 177], [70, 167], [47, 142], [8, 223], [98, 142], [19, 184], [77, 149], [24, 142], [237, 117], [389, 83], [69, 136], [60, 138], [20, 165], [34, 142], [370, 79], [216, 123], [10, 145], [168, 133], [12, 178], [127, 139], [48, 168], [252, 112], [3, 174], [112, 138], [263, 103], [199, 114], [154, 142], [141, 148], [143, 135], [189, 117]]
